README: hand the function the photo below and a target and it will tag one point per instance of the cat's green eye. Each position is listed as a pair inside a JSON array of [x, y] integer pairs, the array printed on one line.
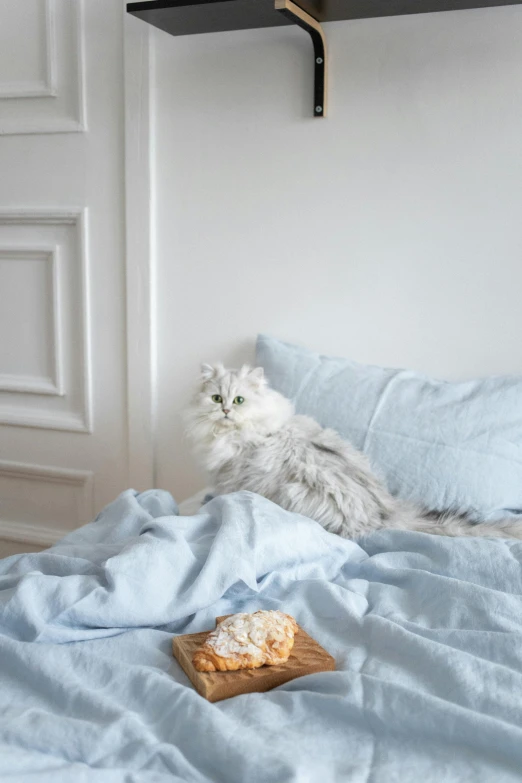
[[239, 401], [217, 398]]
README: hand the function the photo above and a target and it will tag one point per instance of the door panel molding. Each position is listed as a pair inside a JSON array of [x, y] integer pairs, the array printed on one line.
[[47, 87], [71, 489], [56, 104], [52, 383], [19, 404]]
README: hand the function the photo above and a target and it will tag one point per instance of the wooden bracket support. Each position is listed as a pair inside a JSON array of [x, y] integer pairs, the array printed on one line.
[[296, 15]]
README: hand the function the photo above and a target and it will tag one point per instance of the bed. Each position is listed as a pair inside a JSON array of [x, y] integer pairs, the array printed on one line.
[[426, 633]]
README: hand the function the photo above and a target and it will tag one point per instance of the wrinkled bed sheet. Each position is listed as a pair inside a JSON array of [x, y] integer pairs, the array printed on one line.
[[426, 633]]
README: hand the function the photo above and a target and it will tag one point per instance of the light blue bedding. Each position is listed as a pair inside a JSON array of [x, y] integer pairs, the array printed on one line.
[[426, 633], [442, 445]]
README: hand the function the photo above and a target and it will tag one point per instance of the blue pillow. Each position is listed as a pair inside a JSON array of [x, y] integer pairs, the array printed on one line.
[[443, 445]]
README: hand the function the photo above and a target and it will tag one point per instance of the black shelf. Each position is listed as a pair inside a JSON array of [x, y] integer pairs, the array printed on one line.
[[189, 17], [181, 17]]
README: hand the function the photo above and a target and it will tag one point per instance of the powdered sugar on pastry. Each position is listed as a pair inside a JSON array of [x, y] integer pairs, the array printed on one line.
[[247, 641]]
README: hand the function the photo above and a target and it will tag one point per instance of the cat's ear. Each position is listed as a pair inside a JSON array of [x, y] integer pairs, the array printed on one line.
[[257, 375], [207, 372]]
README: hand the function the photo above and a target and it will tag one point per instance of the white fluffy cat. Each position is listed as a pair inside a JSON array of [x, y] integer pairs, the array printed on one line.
[[248, 438]]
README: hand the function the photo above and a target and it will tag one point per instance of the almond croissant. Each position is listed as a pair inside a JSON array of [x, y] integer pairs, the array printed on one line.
[[247, 641]]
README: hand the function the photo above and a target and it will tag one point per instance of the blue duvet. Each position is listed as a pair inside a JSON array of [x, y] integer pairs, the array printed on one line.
[[426, 633]]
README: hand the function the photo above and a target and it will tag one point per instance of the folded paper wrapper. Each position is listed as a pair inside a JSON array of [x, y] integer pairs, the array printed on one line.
[[307, 657]]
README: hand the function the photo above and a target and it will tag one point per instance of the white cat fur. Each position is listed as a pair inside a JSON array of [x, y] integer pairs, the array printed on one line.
[[263, 447]]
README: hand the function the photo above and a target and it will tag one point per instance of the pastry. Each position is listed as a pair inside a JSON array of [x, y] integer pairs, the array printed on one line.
[[247, 641]]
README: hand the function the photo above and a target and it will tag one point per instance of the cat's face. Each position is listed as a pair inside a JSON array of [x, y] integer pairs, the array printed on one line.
[[232, 408], [230, 398]]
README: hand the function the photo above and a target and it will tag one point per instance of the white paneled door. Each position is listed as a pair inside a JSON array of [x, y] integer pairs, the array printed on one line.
[[64, 428]]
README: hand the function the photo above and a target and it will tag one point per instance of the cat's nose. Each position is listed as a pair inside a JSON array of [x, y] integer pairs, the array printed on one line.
[[226, 410]]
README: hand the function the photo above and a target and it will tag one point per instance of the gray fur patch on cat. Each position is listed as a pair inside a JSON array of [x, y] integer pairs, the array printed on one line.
[[248, 437]]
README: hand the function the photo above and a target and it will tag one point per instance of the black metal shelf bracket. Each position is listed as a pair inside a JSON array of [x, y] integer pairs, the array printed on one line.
[[296, 15]]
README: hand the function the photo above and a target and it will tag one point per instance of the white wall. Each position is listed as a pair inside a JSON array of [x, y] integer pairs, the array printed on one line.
[[390, 232]]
